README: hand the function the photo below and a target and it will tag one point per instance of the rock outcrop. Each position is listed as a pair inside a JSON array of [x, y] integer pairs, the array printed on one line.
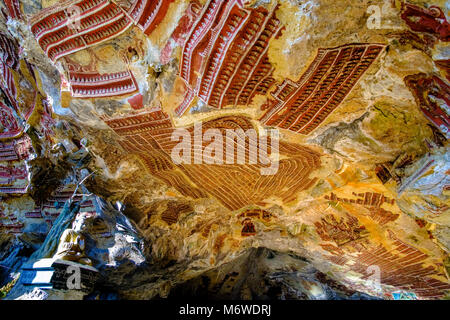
[[277, 149]]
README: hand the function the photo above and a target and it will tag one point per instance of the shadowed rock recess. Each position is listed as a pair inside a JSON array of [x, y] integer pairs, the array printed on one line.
[[239, 149]]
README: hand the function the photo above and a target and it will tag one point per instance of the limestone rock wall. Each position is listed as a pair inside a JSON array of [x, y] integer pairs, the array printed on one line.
[[357, 92]]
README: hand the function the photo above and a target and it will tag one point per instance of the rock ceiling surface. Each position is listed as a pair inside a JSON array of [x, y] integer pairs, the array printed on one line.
[[357, 92]]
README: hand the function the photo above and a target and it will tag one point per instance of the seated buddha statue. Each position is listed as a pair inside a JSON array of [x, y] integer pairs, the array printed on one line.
[[72, 244]]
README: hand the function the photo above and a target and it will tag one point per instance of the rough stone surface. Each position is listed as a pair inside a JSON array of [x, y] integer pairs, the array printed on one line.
[[358, 91]]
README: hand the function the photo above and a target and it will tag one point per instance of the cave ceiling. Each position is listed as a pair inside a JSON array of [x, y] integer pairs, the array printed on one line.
[[348, 102]]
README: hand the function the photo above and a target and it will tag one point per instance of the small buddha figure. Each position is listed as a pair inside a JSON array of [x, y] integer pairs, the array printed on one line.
[[248, 228], [71, 245]]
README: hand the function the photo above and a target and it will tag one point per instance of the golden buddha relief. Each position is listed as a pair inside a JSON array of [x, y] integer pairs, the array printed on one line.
[[72, 243]]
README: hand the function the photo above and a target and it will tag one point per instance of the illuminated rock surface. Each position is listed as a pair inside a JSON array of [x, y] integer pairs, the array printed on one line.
[[356, 94]]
